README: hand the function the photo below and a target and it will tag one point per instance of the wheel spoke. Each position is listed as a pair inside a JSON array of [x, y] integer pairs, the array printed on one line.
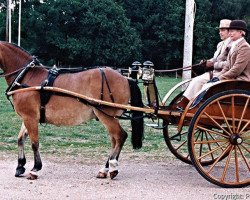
[[219, 158], [233, 114], [247, 137], [227, 164], [211, 131], [216, 123], [216, 142], [209, 141], [209, 146], [244, 157], [225, 118], [181, 145], [236, 165], [210, 152], [244, 127], [243, 114], [245, 148]]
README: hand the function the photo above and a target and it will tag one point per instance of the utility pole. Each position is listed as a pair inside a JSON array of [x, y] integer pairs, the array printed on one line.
[[9, 13], [188, 38], [19, 23], [7, 20]]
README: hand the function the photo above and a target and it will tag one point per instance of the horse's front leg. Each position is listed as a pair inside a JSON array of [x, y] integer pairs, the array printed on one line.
[[21, 156], [32, 127]]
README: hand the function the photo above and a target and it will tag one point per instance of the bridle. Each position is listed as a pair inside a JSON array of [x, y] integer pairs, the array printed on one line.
[[21, 73], [2, 74], [29, 65]]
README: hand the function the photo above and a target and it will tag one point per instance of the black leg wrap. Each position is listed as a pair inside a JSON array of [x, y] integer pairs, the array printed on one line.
[[19, 171], [37, 167], [21, 161]]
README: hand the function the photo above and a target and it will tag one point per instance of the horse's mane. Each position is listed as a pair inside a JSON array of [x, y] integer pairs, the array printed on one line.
[[15, 46]]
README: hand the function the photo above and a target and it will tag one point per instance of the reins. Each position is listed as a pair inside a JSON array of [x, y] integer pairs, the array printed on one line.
[[172, 70], [2, 74]]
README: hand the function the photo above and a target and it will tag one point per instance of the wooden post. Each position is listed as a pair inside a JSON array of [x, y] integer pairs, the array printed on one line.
[[188, 39], [7, 20], [9, 17], [19, 23]]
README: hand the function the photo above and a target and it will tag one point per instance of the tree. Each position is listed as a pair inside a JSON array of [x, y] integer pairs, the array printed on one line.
[[161, 27], [81, 32], [2, 21], [118, 32]]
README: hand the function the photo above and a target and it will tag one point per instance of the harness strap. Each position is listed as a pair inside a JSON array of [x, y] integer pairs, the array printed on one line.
[[104, 78], [21, 75], [44, 95]]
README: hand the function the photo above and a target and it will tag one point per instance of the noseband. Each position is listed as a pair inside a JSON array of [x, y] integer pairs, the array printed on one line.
[[22, 71], [29, 65]]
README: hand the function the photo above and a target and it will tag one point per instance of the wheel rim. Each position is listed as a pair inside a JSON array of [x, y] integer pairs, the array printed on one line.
[[229, 139], [177, 144]]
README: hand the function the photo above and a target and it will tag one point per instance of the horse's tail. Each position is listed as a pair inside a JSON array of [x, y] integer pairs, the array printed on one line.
[[137, 121]]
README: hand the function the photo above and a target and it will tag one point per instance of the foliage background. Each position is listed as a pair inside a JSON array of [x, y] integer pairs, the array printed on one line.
[[118, 32]]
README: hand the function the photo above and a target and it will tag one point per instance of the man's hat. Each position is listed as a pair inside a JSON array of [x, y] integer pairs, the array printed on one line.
[[224, 23], [238, 25]]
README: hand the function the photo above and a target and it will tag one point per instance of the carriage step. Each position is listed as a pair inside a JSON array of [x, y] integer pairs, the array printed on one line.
[[156, 126]]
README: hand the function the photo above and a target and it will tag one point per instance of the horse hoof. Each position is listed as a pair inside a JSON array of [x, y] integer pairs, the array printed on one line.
[[19, 171], [32, 176], [101, 175], [113, 174]]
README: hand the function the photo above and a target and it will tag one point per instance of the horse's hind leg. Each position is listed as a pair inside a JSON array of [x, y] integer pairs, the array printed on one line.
[[32, 127], [118, 137], [21, 156]]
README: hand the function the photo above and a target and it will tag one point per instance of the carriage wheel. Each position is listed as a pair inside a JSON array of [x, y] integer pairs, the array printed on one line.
[[227, 142], [177, 143]]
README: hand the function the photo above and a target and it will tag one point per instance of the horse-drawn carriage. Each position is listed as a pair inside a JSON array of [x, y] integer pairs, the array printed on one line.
[[212, 132]]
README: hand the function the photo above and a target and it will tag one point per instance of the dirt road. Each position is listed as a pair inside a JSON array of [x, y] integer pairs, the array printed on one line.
[[147, 180]]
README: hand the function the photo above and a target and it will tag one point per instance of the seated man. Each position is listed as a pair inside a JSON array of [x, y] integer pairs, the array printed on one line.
[[237, 65], [217, 62], [238, 60]]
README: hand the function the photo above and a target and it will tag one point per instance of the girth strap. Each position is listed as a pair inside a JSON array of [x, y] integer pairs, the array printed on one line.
[[44, 95], [104, 78]]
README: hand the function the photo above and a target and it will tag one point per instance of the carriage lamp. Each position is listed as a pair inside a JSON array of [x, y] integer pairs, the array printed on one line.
[[134, 70], [148, 71], [150, 90]]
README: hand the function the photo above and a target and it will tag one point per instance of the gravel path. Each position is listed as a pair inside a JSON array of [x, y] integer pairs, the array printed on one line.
[[147, 180]]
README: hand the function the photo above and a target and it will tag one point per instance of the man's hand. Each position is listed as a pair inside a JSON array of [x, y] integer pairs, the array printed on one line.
[[203, 63], [209, 65]]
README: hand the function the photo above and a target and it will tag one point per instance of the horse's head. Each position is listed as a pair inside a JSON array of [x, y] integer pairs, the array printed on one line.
[[13, 57]]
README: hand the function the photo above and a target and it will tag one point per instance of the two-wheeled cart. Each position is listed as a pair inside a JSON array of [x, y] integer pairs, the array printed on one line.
[[212, 132]]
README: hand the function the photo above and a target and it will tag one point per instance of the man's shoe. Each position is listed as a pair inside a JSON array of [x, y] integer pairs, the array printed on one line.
[[182, 103]]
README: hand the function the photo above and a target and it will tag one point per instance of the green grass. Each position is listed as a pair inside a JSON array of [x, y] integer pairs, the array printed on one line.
[[87, 140]]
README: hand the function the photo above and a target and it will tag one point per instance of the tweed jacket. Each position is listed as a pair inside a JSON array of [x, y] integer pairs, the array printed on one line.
[[238, 63], [220, 55]]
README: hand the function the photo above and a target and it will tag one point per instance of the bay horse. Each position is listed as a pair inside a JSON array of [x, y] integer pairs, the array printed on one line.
[[65, 111]]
